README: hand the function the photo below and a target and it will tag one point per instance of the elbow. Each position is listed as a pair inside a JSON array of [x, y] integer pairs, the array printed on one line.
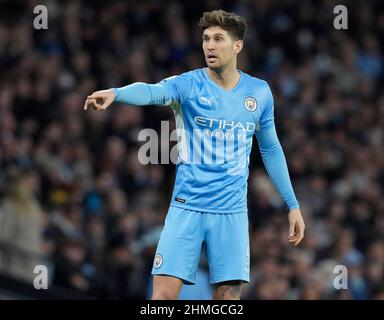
[[271, 149]]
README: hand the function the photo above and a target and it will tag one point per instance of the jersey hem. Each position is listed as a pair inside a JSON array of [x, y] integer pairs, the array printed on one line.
[[208, 210]]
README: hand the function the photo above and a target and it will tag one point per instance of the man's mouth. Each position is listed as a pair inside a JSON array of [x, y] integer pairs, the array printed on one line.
[[211, 57]]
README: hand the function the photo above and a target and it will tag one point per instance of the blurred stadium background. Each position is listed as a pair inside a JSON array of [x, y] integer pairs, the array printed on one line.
[[74, 197]]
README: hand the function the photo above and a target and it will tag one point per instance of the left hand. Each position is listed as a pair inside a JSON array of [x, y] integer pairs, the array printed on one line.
[[296, 226]]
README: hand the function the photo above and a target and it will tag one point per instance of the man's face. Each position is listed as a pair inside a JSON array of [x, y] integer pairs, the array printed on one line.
[[220, 49]]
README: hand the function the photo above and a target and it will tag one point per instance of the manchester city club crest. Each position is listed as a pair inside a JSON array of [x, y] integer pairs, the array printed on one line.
[[250, 103], [158, 261]]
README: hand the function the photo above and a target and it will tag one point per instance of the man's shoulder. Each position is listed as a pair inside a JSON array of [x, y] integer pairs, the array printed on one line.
[[191, 74], [186, 76], [252, 80]]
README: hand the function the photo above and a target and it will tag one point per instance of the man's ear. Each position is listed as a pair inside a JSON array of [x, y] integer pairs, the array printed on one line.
[[238, 46]]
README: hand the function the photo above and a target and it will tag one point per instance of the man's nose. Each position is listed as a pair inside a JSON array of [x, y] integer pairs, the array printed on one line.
[[211, 45]]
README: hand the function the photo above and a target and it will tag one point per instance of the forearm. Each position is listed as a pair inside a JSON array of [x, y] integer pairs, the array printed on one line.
[[276, 165], [141, 94]]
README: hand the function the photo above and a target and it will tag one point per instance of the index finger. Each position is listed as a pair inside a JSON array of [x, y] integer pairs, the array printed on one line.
[[86, 104], [95, 95], [87, 101]]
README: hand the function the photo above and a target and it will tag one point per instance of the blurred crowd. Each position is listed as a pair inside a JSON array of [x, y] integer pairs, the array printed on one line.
[[74, 197]]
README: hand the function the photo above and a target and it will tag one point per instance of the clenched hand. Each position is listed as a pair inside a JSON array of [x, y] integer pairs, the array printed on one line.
[[296, 226]]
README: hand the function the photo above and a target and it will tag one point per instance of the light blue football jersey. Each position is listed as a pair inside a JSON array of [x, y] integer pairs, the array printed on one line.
[[215, 129]]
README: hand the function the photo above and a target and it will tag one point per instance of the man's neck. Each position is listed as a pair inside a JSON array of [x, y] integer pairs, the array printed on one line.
[[227, 78]]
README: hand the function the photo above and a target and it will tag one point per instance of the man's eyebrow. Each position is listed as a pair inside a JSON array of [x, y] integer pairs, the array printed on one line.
[[215, 34]]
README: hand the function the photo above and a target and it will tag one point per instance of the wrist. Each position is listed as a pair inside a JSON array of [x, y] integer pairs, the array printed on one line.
[[115, 92]]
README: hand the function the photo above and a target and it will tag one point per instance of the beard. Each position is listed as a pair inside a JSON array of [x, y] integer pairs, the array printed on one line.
[[216, 66]]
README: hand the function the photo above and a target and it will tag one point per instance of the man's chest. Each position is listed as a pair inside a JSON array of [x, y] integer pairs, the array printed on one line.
[[239, 110]]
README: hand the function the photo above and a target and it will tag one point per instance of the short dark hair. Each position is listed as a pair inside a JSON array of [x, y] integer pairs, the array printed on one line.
[[234, 24]]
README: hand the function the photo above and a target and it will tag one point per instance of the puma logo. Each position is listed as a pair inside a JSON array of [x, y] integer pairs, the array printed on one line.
[[207, 101]]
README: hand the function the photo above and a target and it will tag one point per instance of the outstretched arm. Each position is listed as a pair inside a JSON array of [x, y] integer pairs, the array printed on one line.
[[137, 93], [276, 166]]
